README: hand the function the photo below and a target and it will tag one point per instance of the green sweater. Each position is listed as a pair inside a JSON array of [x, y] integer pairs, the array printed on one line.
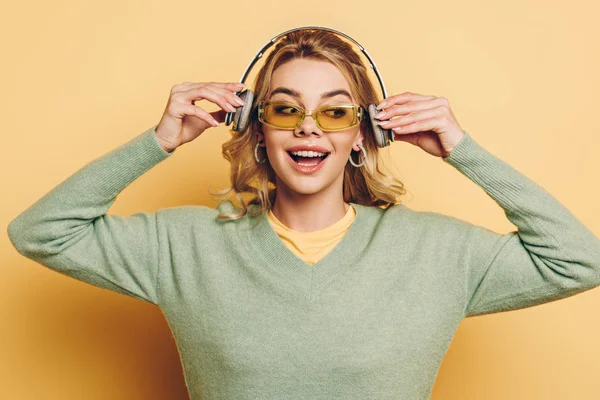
[[373, 319]]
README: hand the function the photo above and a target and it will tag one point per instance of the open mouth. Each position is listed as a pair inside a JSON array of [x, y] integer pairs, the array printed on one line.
[[308, 160]]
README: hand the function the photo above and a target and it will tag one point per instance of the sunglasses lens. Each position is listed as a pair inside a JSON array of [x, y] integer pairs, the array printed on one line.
[[282, 115], [287, 116], [336, 117]]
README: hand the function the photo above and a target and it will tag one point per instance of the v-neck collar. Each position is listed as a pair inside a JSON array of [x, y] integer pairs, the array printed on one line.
[[312, 279]]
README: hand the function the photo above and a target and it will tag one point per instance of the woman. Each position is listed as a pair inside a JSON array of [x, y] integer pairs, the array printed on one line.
[[341, 292]]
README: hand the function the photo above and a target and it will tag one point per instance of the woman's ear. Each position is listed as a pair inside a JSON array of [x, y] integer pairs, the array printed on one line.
[[358, 140], [259, 134]]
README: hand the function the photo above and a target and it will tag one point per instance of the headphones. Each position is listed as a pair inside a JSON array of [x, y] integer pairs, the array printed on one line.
[[241, 116]]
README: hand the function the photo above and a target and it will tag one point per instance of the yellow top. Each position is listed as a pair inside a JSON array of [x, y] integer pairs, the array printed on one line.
[[312, 246]]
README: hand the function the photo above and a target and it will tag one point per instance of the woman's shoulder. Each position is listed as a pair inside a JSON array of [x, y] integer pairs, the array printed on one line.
[[424, 218], [199, 212], [187, 211]]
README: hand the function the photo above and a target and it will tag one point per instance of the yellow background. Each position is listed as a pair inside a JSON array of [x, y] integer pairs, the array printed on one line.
[[80, 78]]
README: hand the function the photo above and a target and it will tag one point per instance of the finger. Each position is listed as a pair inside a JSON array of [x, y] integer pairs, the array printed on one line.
[[401, 99], [413, 106], [183, 86], [231, 86], [210, 93], [415, 116], [231, 97], [429, 124], [198, 112]]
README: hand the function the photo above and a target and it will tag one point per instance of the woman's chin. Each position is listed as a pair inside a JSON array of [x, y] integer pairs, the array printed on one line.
[[304, 186], [304, 183]]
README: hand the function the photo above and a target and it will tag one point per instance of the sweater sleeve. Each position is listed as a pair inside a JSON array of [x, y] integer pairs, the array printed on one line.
[[69, 231], [550, 256]]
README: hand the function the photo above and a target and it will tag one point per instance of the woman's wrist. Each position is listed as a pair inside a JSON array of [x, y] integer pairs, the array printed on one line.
[[164, 145]]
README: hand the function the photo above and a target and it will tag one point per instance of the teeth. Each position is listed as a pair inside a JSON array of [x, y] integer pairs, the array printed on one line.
[[309, 153]]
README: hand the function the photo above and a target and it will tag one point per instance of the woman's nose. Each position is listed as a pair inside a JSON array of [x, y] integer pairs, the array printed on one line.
[[308, 125]]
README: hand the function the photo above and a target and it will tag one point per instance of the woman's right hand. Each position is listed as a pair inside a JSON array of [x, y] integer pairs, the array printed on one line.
[[183, 121]]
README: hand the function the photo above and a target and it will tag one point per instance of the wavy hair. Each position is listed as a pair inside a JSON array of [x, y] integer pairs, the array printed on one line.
[[367, 185]]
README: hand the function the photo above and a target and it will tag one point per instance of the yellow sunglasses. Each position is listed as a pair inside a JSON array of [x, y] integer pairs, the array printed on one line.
[[330, 117]]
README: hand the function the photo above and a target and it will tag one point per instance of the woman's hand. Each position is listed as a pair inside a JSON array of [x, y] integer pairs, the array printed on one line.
[[183, 121], [424, 121]]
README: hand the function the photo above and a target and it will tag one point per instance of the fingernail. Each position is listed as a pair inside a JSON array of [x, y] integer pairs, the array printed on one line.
[[381, 105], [381, 114], [215, 122]]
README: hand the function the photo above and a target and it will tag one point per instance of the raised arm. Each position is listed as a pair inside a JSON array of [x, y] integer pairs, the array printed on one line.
[[69, 231], [552, 255]]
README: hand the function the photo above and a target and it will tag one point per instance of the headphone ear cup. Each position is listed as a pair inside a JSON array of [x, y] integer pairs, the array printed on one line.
[[241, 116], [383, 137]]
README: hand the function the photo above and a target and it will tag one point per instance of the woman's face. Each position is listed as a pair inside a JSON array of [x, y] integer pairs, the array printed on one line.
[[310, 79]]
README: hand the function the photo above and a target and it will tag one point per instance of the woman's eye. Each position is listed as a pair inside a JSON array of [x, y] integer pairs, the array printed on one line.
[[286, 110], [335, 112]]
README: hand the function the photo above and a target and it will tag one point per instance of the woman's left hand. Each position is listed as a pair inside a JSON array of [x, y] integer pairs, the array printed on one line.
[[424, 121]]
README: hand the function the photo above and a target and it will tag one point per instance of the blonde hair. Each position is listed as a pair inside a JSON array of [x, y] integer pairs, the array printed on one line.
[[366, 185]]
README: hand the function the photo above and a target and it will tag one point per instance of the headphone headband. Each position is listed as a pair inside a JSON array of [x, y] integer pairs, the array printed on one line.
[[272, 41], [242, 116]]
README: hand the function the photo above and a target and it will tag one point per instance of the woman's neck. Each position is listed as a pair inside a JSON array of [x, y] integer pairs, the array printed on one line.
[[308, 213]]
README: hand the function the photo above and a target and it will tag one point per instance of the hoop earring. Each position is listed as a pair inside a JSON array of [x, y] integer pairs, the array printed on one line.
[[256, 155], [363, 160]]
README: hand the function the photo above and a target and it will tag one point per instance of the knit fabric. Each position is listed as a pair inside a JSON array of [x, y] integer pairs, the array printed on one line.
[[372, 319], [312, 246]]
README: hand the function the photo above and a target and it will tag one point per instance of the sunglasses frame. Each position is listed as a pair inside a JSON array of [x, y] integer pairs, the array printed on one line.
[[358, 114]]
